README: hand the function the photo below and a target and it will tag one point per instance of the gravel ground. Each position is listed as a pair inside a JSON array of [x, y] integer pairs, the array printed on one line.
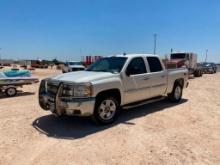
[[218, 70], [158, 133]]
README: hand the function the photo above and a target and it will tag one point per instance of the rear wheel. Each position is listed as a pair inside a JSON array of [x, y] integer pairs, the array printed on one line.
[[196, 74], [214, 70], [106, 110], [176, 94], [11, 91], [200, 73]]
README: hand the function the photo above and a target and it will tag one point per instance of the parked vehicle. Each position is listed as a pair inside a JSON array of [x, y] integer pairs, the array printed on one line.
[[9, 84], [39, 64], [110, 83], [209, 67], [190, 61], [72, 66]]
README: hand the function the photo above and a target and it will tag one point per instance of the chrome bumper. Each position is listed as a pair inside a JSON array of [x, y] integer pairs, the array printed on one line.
[[51, 99], [70, 107], [78, 107]]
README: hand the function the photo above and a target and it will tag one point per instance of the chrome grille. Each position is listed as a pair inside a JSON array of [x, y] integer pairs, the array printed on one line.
[[52, 88]]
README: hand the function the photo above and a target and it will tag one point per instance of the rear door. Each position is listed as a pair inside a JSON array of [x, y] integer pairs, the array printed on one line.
[[135, 81], [157, 77]]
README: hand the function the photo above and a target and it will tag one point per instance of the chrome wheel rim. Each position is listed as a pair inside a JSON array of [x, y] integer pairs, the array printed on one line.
[[178, 92], [107, 109]]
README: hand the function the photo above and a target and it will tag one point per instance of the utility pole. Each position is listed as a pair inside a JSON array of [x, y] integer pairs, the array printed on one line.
[[155, 43], [206, 55]]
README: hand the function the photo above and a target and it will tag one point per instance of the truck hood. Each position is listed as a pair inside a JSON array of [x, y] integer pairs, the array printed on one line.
[[83, 76], [76, 66]]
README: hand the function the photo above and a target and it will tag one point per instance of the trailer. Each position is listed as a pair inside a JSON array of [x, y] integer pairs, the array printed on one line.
[[9, 85]]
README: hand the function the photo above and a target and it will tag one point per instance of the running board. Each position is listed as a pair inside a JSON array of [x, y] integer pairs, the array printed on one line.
[[140, 103]]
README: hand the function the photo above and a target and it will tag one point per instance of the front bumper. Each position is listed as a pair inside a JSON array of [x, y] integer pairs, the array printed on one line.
[[65, 105], [208, 70], [70, 107], [79, 107]]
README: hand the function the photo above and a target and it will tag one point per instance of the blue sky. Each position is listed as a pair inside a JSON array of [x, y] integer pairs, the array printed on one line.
[[69, 29]]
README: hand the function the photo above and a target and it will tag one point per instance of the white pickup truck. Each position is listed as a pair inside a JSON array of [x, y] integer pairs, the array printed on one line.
[[72, 66], [110, 83]]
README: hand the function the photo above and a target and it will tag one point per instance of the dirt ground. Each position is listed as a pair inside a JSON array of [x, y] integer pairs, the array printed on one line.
[[158, 133]]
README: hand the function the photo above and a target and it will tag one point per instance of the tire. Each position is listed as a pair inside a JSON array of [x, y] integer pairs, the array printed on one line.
[[106, 110], [11, 91], [196, 73], [201, 73], [214, 70], [176, 95]]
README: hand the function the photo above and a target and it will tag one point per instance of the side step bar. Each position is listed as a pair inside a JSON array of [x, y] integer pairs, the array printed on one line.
[[140, 103]]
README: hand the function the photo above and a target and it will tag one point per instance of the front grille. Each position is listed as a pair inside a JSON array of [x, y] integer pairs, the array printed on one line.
[[52, 88], [77, 69]]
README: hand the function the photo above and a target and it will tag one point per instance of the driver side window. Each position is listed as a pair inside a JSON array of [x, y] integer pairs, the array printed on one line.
[[136, 66]]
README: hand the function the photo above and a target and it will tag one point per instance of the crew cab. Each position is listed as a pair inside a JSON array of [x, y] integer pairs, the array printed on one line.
[[71, 66], [111, 83]]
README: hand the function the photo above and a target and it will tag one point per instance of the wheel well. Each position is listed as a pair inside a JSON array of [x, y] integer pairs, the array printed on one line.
[[111, 92], [180, 82]]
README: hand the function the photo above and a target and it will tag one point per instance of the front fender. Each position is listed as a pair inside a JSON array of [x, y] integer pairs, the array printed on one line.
[[108, 84]]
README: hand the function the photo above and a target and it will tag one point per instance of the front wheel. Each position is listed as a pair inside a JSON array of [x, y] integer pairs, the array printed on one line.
[[176, 94], [106, 110]]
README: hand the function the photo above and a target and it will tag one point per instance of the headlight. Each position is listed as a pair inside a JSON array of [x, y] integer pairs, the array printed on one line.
[[68, 90], [77, 90]]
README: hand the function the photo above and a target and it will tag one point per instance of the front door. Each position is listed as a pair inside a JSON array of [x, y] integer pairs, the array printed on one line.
[[136, 81]]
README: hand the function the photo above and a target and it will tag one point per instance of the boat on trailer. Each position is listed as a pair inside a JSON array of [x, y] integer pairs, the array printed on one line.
[[9, 85]]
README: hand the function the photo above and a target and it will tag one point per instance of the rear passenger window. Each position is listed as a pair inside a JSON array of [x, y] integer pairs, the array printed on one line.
[[154, 64]]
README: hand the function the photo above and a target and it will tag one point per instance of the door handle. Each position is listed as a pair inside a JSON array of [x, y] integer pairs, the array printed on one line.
[[163, 76]]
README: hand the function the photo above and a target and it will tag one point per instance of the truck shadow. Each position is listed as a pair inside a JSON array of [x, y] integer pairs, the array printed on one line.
[[75, 127]]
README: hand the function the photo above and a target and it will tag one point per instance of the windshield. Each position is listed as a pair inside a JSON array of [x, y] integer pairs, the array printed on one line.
[[110, 64], [74, 63], [207, 64], [178, 56], [2, 75]]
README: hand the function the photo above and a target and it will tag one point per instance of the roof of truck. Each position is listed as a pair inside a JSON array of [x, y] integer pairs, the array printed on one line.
[[136, 55]]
